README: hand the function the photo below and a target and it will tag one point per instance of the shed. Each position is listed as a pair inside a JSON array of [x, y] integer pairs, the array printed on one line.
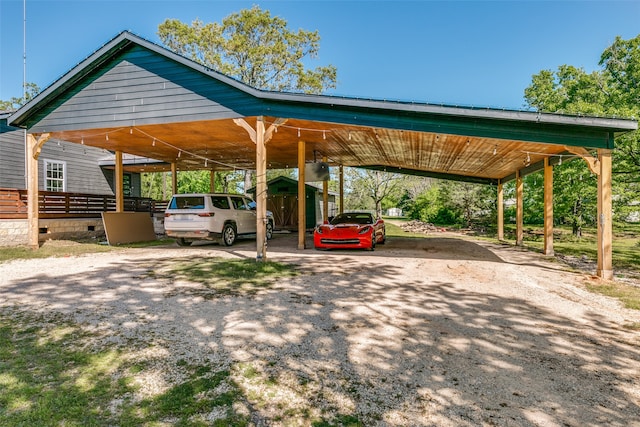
[[282, 201]]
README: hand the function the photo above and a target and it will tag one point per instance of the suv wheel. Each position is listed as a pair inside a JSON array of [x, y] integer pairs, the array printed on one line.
[[269, 230], [182, 242], [228, 235]]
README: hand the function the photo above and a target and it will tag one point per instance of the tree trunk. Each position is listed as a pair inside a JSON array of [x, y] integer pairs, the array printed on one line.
[[247, 181], [577, 218]]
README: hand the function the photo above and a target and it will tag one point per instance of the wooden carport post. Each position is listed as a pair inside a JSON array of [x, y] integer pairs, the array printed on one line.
[[548, 207], [605, 226], [519, 209], [500, 209], [212, 181], [33, 152], [341, 190], [261, 191], [174, 178], [325, 197], [302, 196], [260, 137], [119, 183]]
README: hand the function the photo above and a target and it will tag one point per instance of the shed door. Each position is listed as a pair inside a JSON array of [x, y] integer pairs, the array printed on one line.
[[285, 210]]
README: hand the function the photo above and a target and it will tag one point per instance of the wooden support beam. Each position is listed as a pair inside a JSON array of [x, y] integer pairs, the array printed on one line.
[[34, 146], [341, 189], [592, 162], [174, 178], [302, 196], [212, 181], [261, 191], [118, 180], [605, 223], [246, 126], [325, 196], [500, 209], [548, 208], [260, 136], [519, 209]]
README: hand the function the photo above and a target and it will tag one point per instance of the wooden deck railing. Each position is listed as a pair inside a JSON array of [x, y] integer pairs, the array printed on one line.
[[51, 204]]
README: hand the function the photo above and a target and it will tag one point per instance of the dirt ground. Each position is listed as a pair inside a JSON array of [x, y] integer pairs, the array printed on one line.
[[440, 331]]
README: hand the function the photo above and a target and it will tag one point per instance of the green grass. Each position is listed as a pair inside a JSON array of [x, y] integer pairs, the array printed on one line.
[[228, 276], [49, 377], [628, 295], [393, 230], [66, 248], [626, 244], [56, 373]]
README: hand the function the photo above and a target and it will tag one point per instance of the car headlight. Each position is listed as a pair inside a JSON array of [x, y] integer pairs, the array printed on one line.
[[319, 230], [365, 230]]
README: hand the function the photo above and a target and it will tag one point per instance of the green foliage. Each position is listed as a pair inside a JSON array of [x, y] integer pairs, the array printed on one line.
[[31, 90], [157, 185], [574, 194], [612, 91], [254, 47], [194, 182], [448, 202], [368, 189]]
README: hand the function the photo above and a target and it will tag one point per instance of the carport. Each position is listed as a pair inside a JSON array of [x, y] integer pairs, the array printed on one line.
[[133, 96]]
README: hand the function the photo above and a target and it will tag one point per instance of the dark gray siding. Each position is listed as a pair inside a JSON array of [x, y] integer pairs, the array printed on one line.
[[141, 87], [135, 181], [84, 175], [11, 156]]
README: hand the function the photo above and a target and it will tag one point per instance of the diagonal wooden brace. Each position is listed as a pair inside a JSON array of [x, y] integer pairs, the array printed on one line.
[[38, 143], [592, 162]]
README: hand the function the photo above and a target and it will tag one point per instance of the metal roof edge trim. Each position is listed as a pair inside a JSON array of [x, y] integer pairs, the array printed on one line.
[[618, 124]]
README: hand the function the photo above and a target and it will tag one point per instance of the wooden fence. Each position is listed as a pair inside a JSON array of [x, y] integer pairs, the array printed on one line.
[[51, 204]]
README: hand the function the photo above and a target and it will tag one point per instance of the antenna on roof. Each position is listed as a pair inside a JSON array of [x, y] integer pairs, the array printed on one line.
[[24, 50], [24, 86]]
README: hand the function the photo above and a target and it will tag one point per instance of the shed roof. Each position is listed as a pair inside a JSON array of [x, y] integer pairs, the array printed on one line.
[[140, 98]]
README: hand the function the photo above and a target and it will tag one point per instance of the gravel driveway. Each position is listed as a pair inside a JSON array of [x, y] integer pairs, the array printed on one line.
[[422, 332]]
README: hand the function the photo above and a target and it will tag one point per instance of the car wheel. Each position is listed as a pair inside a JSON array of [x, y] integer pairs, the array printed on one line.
[[228, 235], [269, 230], [182, 242], [373, 242], [384, 237]]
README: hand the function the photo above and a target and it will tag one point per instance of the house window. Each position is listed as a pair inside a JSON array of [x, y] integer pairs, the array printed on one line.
[[55, 175]]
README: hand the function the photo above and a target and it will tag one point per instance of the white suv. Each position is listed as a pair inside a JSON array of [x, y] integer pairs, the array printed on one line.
[[223, 217]]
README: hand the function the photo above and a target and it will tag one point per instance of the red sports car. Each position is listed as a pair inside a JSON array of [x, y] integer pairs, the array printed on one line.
[[352, 230]]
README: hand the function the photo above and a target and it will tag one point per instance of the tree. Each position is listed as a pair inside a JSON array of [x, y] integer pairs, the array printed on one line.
[[368, 188], [31, 90], [255, 48], [612, 91]]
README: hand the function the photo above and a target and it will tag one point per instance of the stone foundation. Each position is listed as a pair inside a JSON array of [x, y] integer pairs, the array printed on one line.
[[72, 228], [14, 232]]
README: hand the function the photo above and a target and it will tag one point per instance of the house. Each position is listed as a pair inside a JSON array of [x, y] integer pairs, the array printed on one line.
[[282, 201], [64, 168], [69, 167]]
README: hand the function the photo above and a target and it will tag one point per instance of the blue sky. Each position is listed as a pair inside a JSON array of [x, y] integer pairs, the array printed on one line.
[[472, 53]]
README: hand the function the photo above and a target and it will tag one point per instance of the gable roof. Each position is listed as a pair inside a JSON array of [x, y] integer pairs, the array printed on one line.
[[138, 97]]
